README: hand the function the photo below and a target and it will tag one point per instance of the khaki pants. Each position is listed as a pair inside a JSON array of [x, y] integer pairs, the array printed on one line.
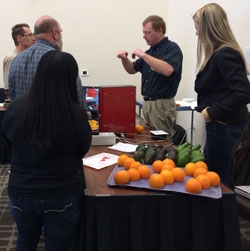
[[160, 114]]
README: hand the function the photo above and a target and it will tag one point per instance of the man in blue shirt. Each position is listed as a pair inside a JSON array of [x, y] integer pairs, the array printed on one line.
[[161, 69], [48, 35]]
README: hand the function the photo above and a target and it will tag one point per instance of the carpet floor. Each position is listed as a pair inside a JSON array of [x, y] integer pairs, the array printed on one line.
[[8, 231]]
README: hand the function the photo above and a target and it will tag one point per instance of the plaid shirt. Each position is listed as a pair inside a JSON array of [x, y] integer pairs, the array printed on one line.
[[23, 68]]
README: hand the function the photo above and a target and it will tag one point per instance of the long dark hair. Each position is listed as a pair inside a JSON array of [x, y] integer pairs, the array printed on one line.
[[46, 113]]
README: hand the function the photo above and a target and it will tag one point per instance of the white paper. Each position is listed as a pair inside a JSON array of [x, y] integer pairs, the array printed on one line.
[[182, 103], [123, 147], [100, 160], [159, 132], [243, 191]]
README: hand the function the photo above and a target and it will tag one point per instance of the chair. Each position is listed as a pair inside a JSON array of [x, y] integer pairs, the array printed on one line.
[[139, 104], [2, 95]]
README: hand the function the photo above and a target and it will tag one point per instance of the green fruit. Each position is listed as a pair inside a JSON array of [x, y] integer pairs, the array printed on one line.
[[197, 157], [172, 154], [196, 147], [139, 155], [160, 154], [150, 156], [182, 146], [183, 159], [142, 147], [194, 153]]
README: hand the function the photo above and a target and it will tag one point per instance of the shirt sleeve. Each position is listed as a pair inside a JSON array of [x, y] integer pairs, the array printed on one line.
[[6, 69]]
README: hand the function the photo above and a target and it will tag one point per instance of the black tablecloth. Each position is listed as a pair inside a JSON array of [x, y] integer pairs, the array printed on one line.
[[175, 222]]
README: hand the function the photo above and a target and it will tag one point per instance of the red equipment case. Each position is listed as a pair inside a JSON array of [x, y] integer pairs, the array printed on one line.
[[117, 109]]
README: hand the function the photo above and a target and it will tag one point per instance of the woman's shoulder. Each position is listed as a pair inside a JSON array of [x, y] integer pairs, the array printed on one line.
[[226, 51], [227, 54]]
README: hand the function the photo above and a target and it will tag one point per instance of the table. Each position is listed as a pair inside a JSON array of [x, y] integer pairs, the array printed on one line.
[[129, 219]]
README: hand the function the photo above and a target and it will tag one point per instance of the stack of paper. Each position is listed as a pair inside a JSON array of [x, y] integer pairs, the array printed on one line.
[[243, 191]]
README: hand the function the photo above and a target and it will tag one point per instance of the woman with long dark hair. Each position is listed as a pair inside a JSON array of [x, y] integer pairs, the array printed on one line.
[[49, 133]]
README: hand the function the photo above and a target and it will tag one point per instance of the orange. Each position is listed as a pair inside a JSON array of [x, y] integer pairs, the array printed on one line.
[[198, 171], [134, 174], [204, 180], [167, 166], [201, 164], [127, 162], [214, 178], [167, 176], [121, 177], [139, 128], [135, 164], [189, 168], [145, 171], [193, 186], [169, 161], [156, 181], [157, 165], [179, 174], [121, 159]]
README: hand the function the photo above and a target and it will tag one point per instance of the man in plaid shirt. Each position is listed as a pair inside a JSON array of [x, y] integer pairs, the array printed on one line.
[[48, 35]]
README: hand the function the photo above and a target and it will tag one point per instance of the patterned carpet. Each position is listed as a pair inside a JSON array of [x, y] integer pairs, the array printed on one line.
[[8, 231]]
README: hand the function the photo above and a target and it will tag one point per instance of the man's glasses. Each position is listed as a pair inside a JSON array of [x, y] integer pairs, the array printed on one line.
[[28, 35]]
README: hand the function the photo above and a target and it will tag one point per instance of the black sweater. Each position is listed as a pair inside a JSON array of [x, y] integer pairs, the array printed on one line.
[[43, 175], [224, 87]]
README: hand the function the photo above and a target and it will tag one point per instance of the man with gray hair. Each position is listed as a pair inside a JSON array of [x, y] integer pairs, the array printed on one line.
[[48, 34]]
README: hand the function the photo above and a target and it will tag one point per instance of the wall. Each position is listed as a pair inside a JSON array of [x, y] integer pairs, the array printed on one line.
[[94, 31]]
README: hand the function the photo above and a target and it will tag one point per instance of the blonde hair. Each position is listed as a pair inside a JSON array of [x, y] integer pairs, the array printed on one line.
[[214, 33]]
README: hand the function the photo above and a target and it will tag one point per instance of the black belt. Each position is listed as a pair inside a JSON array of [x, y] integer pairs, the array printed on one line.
[[155, 98]]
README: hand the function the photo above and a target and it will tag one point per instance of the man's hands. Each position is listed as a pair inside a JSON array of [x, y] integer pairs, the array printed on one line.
[[136, 53], [127, 64], [122, 54]]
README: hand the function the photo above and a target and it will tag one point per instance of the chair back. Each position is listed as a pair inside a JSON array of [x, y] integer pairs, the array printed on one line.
[[2, 95]]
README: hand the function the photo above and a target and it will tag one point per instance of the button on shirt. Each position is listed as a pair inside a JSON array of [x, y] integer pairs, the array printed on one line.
[[154, 84], [23, 68]]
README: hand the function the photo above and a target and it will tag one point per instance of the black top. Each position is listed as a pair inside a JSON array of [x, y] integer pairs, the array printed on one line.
[[154, 84], [224, 87], [43, 175]]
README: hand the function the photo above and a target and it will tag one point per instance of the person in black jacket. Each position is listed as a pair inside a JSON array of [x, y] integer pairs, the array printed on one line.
[[49, 133], [222, 86]]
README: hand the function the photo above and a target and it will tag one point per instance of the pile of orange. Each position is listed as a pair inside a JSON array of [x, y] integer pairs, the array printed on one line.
[[165, 172], [130, 172], [166, 164], [201, 177]]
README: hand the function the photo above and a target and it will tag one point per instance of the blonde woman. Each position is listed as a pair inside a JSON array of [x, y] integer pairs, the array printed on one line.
[[222, 86]]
